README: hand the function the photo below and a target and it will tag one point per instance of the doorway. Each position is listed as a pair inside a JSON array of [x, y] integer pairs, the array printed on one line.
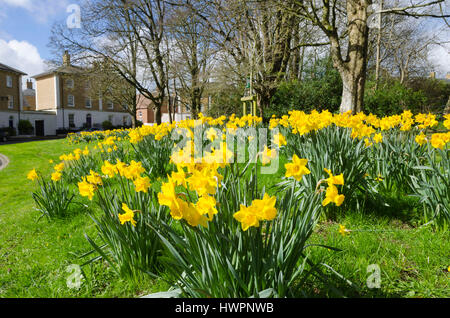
[[39, 124], [88, 121]]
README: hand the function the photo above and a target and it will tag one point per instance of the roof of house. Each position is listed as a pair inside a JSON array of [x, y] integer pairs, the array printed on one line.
[[4, 67], [29, 92], [64, 69]]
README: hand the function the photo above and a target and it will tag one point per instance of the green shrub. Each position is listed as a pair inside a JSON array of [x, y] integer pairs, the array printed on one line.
[[320, 89], [107, 125], [436, 91], [227, 101], [25, 127], [392, 98], [9, 130]]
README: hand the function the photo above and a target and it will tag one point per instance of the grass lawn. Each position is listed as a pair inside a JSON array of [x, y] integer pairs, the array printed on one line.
[[34, 256]]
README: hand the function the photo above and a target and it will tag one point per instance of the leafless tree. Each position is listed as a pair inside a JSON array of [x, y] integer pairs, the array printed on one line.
[[349, 40], [191, 53], [126, 34], [258, 38]]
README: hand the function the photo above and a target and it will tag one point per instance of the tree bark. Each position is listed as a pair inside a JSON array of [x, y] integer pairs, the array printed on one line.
[[352, 91], [158, 114], [353, 68], [377, 63]]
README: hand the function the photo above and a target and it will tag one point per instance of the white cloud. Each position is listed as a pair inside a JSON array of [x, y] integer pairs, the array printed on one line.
[[17, 3], [440, 57], [23, 56], [41, 10]]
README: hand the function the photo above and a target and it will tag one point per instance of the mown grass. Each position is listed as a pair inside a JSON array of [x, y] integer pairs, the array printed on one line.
[[413, 262], [34, 256]]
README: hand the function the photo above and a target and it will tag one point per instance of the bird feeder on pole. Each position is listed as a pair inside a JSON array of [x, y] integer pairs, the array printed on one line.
[[249, 99]]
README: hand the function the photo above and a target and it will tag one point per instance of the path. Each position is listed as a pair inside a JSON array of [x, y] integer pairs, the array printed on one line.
[[3, 161]]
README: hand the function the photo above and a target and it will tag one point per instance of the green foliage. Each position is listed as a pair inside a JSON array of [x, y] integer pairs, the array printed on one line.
[[76, 169], [154, 154], [334, 149], [320, 89], [265, 261], [436, 91], [226, 102], [107, 125], [25, 127], [393, 161], [392, 98], [10, 131], [131, 250], [53, 198], [431, 184], [413, 260]]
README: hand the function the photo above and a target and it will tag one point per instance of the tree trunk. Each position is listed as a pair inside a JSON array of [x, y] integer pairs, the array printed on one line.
[[264, 100], [302, 56], [352, 92], [377, 62], [158, 114], [353, 68], [447, 107]]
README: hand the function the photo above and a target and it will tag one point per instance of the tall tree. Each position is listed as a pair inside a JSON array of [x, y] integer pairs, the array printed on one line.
[[126, 34], [257, 37], [191, 54], [345, 24]]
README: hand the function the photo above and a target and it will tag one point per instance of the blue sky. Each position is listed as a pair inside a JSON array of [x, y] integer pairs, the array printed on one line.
[[25, 28]]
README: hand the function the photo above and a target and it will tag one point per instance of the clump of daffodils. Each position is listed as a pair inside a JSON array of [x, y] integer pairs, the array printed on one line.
[[202, 181], [128, 216], [332, 195], [259, 210], [297, 168], [32, 175]]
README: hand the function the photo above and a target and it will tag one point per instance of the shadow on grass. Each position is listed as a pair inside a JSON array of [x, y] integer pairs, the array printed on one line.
[[394, 208]]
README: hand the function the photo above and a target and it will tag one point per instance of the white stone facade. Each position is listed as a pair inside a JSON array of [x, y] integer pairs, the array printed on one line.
[[6, 116], [49, 120], [177, 117], [80, 118], [61, 119]]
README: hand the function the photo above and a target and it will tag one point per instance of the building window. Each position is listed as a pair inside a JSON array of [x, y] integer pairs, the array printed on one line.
[[71, 120], [11, 122], [110, 104], [87, 85], [10, 101], [71, 101], [88, 102], [140, 114], [8, 81], [69, 83]]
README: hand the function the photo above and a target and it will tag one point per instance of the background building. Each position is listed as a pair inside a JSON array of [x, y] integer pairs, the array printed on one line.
[[66, 91]]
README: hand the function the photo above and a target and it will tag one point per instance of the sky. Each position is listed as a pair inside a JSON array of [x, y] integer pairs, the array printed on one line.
[[25, 30]]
